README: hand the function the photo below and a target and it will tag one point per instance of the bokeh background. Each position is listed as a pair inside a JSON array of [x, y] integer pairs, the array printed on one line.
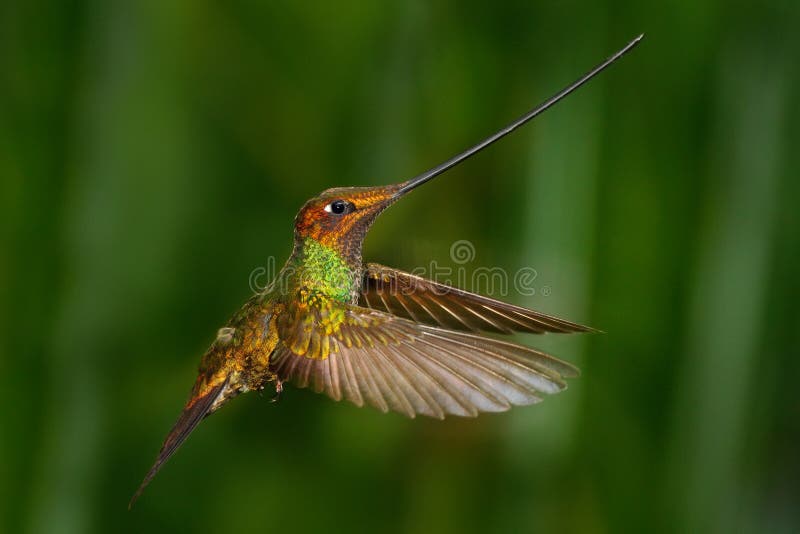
[[153, 154]]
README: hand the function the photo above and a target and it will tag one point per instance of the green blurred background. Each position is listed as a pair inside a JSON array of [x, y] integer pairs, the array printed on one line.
[[153, 154]]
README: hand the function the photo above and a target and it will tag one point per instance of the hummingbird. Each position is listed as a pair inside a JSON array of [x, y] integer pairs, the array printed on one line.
[[374, 335]]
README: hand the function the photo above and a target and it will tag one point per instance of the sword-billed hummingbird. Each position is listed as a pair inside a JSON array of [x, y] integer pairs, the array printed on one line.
[[375, 335]]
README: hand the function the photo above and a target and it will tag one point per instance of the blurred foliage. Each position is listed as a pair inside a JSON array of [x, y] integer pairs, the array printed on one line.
[[152, 154]]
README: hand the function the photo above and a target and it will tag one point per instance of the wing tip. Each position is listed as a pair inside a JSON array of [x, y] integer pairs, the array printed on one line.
[[590, 330]]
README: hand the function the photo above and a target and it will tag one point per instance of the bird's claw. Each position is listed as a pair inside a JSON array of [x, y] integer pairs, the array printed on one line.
[[278, 390]]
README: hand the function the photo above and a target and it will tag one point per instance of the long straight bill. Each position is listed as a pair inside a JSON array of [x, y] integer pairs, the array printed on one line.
[[455, 160]]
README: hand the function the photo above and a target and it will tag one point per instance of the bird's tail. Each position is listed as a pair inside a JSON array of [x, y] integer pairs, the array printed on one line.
[[196, 409]]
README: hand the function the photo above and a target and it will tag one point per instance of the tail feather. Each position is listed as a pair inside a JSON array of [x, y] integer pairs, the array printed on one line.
[[194, 412]]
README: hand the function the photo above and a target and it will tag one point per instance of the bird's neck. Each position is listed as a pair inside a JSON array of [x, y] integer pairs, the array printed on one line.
[[324, 269]]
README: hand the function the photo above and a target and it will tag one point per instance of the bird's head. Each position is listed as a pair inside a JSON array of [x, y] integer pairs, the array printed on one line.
[[339, 218]]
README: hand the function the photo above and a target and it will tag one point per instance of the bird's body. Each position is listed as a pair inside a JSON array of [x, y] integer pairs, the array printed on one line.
[[371, 334]]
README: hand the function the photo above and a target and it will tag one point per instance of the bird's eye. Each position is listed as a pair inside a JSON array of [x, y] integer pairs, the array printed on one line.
[[340, 207]]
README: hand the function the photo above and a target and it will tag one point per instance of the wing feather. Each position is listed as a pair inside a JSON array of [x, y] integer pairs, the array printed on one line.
[[392, 363], [389, 290]]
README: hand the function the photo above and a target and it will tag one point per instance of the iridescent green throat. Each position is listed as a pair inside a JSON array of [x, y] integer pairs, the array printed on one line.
[[322, 269]]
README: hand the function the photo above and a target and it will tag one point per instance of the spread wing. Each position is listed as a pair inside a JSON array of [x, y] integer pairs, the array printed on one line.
[[410, 296], [374, 358]]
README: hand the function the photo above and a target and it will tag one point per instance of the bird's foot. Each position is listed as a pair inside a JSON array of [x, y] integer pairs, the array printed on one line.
[[278, 390]]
